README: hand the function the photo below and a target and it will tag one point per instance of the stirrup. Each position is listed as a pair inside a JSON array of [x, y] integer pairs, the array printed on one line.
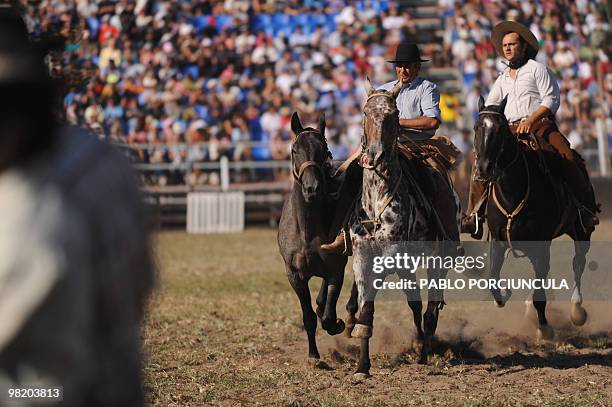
[[473, 224], [479, 226], [589, 222]]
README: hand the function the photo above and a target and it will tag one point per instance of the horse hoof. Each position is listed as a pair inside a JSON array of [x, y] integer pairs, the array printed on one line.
[[422, 360], [545, 333], [578, 314], [361, 376], [338, 328], [500, 304], [319, 364]]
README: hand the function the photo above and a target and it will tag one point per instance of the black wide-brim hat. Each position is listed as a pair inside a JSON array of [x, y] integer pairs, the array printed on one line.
[[506, 27], [407, 52], [21, 60]]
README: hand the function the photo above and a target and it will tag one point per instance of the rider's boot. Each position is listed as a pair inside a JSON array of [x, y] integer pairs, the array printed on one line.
[[347, 194], [577, 180], [341, 245], [575, 175]]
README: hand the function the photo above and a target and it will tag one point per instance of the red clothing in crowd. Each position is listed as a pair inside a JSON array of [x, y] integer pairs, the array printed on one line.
[[106, 32]]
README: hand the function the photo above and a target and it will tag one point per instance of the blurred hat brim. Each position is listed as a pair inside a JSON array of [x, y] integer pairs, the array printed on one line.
[[24, 68], [407, 61]]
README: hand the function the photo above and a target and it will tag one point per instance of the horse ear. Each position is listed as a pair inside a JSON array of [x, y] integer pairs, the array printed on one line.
[[368, 86], [480, 103], [502, 105], [396, 89], [322, 125], [296, 125]]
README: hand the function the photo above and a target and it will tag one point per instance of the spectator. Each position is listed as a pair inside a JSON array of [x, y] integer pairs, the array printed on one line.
[[449, 105]]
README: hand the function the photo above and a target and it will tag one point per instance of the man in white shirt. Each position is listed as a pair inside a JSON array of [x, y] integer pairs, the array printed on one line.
[[532, 100]]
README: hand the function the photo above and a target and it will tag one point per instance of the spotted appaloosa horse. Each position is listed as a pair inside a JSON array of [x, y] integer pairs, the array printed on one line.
[[304, 223], [525, 210], [392, 210]]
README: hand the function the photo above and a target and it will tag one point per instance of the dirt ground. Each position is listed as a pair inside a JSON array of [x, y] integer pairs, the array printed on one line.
[[224, 328]]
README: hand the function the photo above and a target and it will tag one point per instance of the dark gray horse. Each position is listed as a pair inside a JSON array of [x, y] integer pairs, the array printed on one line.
[[304, 223], [392, 210]]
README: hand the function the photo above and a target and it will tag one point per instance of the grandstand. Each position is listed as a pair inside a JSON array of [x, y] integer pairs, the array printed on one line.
[[180, 84]]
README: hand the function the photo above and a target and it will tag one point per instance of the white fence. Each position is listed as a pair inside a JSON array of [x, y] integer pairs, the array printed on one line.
[[215, 212]]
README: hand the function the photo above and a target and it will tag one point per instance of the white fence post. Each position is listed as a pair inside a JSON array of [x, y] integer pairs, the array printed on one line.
[[224, 168]]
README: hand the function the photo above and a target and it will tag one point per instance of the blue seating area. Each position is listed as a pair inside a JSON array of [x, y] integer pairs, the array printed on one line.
[[376, 5], [274, 24]]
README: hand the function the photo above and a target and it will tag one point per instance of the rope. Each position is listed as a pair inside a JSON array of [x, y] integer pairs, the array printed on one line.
[[376, 221]]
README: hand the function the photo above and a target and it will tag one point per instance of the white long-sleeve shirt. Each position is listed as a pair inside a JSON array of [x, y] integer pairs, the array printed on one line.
[[534, 86]]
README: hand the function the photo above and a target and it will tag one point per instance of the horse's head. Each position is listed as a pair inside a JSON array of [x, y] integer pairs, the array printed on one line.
[[309, 158], [490, 130], [380, 123]]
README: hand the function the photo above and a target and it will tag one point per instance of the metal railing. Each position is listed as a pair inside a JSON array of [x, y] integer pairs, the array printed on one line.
[[592, 156]]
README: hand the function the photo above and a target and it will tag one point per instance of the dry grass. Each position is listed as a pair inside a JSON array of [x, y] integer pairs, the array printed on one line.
[[224, 328]]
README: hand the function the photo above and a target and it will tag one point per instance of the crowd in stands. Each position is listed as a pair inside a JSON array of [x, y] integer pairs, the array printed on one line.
[[190, 81], [184, 82], [573, 39]]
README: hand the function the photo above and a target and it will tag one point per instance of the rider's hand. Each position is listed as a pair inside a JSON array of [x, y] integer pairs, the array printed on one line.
[[525, 126]]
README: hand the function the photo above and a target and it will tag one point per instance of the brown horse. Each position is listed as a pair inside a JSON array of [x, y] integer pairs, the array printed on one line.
[[520, 212], [304, 224]]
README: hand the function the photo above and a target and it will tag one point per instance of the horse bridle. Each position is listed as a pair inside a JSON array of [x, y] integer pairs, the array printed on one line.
[[297, 175], [510, 215], [376, 220], [497, 174], [364, 140]]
